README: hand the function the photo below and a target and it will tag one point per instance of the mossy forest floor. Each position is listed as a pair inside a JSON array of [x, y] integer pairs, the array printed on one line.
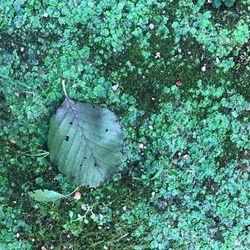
[[181, 74]]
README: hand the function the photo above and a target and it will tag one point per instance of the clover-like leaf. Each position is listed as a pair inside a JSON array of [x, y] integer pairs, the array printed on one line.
[[85, 142]]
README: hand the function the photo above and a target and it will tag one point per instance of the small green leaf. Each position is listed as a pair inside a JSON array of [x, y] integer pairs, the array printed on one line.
[[46, 195]]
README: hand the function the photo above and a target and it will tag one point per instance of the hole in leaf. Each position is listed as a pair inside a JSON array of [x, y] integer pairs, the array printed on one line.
[[71, 123], [106, 130], [67, 138], [85, 158]]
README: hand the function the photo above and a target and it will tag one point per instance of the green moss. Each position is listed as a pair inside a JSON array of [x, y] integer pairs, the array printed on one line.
[[159, 200]]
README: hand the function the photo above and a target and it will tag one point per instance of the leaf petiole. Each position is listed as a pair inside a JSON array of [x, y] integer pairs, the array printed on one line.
[[64, 88]]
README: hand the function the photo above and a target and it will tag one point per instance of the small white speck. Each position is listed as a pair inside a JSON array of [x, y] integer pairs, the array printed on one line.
[[203, 68], [151, 26], [186, 157], [179, 50], [115, 87], [141, 145], [217, 60], [45, 15], [153, 194], [150, 127], [189, 52], [182, 233], [22, 49], [157, 55]]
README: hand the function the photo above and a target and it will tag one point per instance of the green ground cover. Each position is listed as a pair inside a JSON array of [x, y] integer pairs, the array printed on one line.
[[177, 73]]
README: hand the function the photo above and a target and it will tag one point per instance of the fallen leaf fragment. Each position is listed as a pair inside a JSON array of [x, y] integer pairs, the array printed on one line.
[[13, 141]]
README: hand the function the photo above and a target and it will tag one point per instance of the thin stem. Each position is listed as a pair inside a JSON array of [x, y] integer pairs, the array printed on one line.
[[72, 192], [64, 88]]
